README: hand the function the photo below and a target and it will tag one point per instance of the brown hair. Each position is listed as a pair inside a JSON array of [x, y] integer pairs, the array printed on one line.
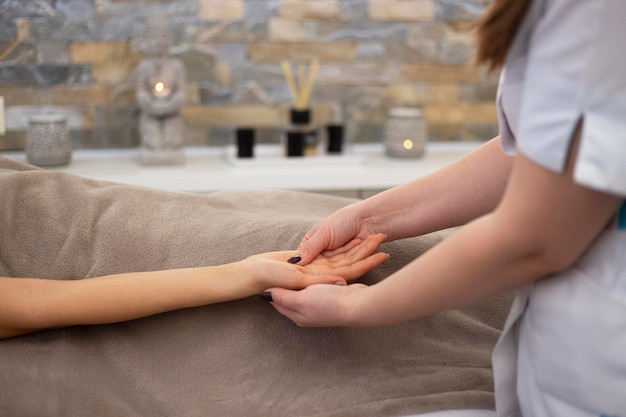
[[496, 29]]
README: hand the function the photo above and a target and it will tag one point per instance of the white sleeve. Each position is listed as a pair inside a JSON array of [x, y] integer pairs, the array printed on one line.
[[575, 71]]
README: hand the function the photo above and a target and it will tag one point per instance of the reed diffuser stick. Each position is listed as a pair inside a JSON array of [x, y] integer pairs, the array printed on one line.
[[310, 81], [290, 81], [301, 87]]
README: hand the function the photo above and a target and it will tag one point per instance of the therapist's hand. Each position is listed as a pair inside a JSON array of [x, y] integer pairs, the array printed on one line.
[[323, 305], [345, 263], [333, 232]]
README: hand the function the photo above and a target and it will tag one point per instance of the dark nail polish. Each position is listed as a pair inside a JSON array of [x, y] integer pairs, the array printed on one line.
[[267, 296], [294, 259]]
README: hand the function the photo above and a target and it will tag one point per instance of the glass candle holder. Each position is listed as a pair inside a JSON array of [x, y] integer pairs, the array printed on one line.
[[405, 133], [48, 141]]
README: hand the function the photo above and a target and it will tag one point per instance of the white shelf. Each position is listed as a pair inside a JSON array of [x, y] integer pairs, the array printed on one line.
[[273, 156], [209, 169]]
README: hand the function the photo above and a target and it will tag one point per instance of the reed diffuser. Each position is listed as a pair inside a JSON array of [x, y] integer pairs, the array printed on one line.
[[302, 138]]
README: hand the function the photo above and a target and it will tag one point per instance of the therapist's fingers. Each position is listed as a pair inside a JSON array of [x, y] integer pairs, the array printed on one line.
[[299, 306], [315, 306], [287, 304], [329, 234], [313, 244]]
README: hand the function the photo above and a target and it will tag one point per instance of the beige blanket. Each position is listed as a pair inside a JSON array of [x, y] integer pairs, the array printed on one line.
[[232, 359]]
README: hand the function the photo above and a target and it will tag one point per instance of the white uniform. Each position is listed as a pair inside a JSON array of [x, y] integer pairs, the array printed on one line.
[[563, 349]]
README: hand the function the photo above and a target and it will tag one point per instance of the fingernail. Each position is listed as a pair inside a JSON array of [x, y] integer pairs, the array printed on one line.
[[342, 283], [267, 296], [294, 259]]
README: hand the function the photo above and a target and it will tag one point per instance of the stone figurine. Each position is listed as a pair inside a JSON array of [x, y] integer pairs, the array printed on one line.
[[160, 93]]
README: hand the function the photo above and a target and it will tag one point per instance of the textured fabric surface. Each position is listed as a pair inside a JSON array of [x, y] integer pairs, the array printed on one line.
[[237, 358]]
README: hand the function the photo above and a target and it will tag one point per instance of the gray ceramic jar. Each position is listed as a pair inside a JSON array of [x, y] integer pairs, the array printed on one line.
[[48, 141]]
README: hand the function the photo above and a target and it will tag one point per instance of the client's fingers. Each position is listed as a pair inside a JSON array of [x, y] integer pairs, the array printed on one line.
[[360, 251], [369, 246], [308, 280], [356, 269], [345, 248]]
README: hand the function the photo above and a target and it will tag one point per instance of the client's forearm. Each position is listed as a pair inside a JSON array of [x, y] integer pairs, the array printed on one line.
[[28, 305]]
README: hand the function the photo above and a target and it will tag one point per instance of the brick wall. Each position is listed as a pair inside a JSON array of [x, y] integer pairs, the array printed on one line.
[[78, 57]]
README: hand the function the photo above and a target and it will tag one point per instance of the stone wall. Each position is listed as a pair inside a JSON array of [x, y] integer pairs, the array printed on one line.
[[78, 57]]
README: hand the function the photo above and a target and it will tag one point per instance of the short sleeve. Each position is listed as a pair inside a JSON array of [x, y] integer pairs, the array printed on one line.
[[572, 70]]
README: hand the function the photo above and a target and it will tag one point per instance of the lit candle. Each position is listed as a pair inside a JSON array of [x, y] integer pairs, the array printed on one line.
[[161, 90]]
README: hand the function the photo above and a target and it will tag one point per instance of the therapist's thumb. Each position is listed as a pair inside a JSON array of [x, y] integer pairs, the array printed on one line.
[[312, 245], [281, 296], [285, 302]]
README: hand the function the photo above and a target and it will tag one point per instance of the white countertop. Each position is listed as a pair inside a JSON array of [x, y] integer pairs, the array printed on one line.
[[208, 169]]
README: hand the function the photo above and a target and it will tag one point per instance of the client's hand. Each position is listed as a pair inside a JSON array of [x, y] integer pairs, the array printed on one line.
[[337, 266]]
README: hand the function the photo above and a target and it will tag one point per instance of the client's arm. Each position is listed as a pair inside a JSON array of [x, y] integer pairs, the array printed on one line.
[[31, 304]]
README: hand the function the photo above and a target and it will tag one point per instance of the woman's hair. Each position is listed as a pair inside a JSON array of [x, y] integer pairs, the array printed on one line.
[[496, 29]]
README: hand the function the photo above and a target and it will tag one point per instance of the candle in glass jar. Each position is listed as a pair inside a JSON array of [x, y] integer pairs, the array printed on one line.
[[405, 133]]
